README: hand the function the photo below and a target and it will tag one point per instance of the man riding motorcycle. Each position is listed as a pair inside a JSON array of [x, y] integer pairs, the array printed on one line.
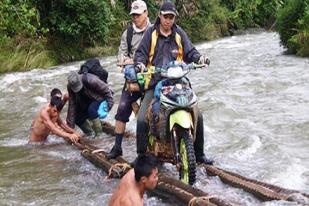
[[166, 42]]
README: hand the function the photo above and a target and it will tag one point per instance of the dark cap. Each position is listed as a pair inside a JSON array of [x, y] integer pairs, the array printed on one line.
[[168, 7], [75, 82]]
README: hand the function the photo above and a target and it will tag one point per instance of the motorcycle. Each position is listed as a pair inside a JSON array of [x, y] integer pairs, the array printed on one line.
[[171, 138]]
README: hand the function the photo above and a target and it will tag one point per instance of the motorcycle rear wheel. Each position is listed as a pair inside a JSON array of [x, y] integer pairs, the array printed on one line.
[[187, 173]]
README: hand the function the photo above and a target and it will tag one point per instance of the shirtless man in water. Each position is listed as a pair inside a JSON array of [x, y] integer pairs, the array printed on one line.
[[48, 121], [132, 186]]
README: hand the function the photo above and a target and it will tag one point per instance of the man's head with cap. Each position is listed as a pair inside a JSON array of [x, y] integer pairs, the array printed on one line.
[[168, 7], [75, 82], [139, 13], [167, 16], [138, 7]]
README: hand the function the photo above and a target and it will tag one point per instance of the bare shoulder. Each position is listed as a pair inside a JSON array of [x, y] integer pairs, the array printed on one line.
[[44, 112]]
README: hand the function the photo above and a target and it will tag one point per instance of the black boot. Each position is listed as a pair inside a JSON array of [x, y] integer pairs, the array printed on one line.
[[199, 143], [116, 150], [204, 160], [114, 153]]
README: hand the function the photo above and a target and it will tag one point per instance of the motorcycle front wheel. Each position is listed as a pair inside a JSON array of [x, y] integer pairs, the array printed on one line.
[[187, 172]]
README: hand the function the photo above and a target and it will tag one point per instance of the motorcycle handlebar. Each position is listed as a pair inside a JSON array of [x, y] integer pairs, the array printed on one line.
[[159, 69]]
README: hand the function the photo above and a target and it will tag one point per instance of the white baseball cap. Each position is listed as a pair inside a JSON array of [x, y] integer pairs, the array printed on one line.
[[138, 7]]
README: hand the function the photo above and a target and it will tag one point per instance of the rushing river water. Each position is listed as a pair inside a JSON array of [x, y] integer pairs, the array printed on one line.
[[255, 102]]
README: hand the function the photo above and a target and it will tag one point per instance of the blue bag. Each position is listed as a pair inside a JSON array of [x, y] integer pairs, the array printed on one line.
[[129, 73]]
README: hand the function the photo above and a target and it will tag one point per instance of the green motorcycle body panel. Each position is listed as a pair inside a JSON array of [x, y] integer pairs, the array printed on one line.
[[182, 118], [185, 163]]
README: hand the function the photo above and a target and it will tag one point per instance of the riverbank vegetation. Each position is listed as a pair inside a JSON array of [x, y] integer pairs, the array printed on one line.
[[44, 33], [293, 26]]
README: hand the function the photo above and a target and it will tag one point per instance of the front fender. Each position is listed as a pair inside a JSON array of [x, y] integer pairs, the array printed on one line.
[[182, 118]]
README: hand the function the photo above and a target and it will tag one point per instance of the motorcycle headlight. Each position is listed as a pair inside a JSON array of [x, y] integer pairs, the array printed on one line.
[[182, 100]]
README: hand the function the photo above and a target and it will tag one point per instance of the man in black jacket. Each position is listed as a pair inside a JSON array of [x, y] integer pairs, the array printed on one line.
[[86, 93], [162, 43]]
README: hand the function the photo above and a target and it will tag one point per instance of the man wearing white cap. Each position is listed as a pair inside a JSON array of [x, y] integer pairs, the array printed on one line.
[[130, 40]]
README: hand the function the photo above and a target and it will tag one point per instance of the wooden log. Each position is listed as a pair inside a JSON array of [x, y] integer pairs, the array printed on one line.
[[261, 190], [167, 186], [185, 193], [108, 128], [100, 161]]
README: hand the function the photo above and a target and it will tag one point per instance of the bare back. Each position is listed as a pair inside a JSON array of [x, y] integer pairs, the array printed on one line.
[[126, 193]]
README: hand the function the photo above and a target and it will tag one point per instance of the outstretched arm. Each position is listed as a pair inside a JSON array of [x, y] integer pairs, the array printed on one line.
[[65, 127], [54, 129]]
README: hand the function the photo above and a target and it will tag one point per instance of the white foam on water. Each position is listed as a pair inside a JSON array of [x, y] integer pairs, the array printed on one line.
[[13, 142], [248, 152], [37, 74], [40, 99], [292, 177]]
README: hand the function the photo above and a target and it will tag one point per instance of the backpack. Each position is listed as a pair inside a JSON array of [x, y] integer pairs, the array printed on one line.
[[129, 37], [93, 66]]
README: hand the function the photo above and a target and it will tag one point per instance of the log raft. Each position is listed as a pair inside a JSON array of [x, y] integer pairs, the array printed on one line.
[[167, 186], [171, 187]]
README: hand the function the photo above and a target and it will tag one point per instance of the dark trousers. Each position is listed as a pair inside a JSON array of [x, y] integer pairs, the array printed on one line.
[[90, 113], [142, 128]]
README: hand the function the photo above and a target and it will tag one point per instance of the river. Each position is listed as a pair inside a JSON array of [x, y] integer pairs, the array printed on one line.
[[255, 102]]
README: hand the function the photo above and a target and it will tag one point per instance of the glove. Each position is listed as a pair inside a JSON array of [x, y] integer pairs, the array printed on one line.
[[204, 60], [103, 110], [140, 67]]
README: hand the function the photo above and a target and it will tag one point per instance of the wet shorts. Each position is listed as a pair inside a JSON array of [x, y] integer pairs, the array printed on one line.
[[124, 110]]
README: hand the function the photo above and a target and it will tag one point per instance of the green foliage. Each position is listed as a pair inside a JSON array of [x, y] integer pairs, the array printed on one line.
[[17, 18], [118, 23], [41, 33], [266, 12], [83, 22], [290, 22], [210, 21], [299, 43], [24, 54], [252, 13], [153, 8]]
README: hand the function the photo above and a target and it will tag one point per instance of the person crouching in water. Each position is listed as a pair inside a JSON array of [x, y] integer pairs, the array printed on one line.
[[48, 121], [86, 94], [133, 185]]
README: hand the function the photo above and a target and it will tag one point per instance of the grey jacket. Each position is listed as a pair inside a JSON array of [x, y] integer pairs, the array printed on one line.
[[136, 39], [93, 89]]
